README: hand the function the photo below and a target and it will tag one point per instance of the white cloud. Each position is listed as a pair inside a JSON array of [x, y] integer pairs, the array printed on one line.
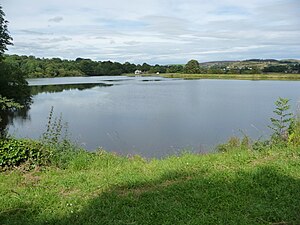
[[156, 31]]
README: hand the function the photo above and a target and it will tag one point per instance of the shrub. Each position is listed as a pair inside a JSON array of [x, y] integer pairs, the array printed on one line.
[[14, 152]]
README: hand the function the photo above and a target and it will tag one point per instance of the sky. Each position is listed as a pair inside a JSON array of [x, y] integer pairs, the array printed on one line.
[[155, 31]]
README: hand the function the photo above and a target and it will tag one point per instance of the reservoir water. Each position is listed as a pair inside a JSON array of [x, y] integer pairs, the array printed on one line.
[[154, 116]]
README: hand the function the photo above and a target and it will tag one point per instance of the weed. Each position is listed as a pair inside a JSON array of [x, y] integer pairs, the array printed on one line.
[[54, 130], [56, 138]]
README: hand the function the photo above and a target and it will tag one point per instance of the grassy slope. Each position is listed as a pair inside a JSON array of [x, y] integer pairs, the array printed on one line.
[[273, 76], [238, 187]]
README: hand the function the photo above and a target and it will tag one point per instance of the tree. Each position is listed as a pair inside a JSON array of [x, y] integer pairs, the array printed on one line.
[[145, 67], [192, 67], [129, 67], [14, 90], [5, 38], [13, 86], [175, 69], [281, 124]]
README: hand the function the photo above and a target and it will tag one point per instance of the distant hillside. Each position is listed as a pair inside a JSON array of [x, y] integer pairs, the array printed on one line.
[[262, 62], [260, 65]]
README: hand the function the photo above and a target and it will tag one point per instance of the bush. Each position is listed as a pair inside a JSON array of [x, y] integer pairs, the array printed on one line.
[[14, 152]]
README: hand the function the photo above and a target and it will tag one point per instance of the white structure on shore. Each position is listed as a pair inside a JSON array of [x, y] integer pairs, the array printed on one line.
[[137, 72]]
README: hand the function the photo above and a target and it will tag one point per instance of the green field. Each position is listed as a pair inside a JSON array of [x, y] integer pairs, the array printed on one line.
[[236, 187]]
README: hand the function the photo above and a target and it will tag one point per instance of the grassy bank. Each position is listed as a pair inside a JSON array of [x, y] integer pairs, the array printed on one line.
[[236, 187], [275, 76]]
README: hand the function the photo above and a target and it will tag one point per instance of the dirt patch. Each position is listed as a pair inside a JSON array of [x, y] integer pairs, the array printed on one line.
[[31, 179]]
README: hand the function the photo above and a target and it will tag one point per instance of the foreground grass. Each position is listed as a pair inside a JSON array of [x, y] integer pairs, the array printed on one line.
[[273, 76], [237, 187]]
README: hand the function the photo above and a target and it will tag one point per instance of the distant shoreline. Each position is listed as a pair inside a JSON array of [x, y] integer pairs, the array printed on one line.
[[273, 76]]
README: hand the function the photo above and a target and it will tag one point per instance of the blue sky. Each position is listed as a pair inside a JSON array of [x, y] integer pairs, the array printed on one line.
[[155, 31]]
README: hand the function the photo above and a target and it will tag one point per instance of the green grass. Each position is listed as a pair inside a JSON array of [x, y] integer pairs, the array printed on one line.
[[273, 76], [236, 187]]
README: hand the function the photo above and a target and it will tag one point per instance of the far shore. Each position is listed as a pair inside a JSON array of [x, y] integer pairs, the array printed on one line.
[[271, 76]]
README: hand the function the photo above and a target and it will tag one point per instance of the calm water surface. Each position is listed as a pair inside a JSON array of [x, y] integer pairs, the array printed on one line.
[[154, 117]]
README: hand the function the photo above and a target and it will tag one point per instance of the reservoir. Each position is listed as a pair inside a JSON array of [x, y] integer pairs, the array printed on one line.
[[153, 116]]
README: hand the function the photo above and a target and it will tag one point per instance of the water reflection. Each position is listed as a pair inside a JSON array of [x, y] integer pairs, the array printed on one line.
[[22, 115], [8, 118], [64, 87]]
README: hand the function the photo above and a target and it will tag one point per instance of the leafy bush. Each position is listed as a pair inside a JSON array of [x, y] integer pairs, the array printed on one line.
[[14, 152]]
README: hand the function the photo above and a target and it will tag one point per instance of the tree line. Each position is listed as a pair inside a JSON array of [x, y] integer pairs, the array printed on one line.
[[34, 67]]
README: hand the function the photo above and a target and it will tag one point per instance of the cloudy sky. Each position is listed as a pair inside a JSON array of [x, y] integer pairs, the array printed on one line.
[[155, 31]]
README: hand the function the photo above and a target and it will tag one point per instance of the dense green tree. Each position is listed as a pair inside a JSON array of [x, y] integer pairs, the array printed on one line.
[[14, 90], [129, 67], [175, 69], [276, 69], [5, 38], [145, 67], [56, 67], [192, 67], [157, 68], [13, 85], [88, 67]]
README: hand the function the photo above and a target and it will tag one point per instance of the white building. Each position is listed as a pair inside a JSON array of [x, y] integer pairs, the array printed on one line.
[[137, 72]]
